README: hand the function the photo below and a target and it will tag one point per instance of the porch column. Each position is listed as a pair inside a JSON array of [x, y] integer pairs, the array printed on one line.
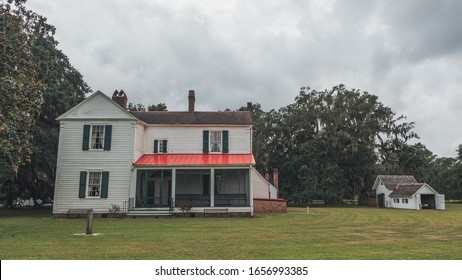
[[132, 189], [212, 187], [133, 179], [251, 190], [173, 187]]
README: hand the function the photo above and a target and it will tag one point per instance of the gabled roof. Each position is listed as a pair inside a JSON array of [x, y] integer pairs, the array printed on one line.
[[390, 181], [195, 160], [90, 108], [199, 118], [405, 190]]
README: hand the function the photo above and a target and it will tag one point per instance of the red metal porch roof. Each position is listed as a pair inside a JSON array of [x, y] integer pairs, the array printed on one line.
[[194, 159]]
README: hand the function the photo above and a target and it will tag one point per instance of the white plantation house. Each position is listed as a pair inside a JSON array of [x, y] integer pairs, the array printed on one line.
[[403, 191], [154, 163]]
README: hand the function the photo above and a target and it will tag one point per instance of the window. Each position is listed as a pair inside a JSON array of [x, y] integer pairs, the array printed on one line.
[[396, 200], [215, 141], [405, 200], [97, 137], [94, 184], [160, 146]]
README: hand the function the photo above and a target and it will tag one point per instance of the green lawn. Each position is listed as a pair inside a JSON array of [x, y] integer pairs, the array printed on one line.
[[326, 233]]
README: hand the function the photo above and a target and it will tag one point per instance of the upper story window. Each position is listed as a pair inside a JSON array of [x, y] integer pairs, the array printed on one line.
[[160, 146], [215, 141], [97, 137]]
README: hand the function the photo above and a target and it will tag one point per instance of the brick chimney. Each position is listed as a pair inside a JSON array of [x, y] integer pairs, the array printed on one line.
[[276, 179], [249, 106], [120, 98], [192, 100]]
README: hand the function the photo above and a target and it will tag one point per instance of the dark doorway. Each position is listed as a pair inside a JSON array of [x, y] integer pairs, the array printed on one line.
[[381, 200], [154, 188], [427, 201]]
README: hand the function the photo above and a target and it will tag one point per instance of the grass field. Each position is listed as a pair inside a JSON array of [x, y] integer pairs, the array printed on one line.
[[326, 233]]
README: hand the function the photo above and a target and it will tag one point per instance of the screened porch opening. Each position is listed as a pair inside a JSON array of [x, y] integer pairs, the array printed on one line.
[[192, 188], [153, 188], [232, 187]]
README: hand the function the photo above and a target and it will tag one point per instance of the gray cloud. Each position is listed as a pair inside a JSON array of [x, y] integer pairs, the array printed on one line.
[[408, 53]]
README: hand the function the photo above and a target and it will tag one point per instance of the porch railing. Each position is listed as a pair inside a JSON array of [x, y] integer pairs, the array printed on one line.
[[231, 200], [195, 200], [200, 200]]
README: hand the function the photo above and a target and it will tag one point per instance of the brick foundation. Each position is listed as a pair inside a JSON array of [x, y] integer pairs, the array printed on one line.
[[276, 205]]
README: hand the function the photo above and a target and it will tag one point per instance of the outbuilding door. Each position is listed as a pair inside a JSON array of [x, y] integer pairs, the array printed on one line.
[[439, 201], [381, 200], [427, 201]]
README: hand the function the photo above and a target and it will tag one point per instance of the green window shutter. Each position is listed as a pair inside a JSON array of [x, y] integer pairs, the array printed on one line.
[[164, 146], [225, 140], [86, 137], [83, 184], [107, 137], [156, 146], [104, 184], [205, 141]]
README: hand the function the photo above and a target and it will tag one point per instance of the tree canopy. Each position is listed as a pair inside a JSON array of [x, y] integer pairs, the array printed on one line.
[[38, 84], [141, 107], [331, 145]]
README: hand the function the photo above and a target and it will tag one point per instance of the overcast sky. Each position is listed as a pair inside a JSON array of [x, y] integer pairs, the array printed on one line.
[[409, 53]]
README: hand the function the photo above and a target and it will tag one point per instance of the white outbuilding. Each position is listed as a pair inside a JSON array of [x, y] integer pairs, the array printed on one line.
[[403, 191]]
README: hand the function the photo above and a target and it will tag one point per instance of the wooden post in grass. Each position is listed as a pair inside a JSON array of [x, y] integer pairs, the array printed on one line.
[[89, 221]]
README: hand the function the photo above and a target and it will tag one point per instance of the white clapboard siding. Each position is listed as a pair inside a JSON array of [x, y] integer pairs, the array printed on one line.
[[67, 192], [188, 139], [412, 203], [139, 142], [97, 106], [72, 159], [261, 187], [71, 151], [381, 189]]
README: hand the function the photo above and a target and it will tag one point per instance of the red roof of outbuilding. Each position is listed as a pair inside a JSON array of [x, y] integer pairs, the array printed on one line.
[[194, 159]]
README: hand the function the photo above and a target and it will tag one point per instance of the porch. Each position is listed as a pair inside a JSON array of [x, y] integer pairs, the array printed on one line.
[[201, 191]]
